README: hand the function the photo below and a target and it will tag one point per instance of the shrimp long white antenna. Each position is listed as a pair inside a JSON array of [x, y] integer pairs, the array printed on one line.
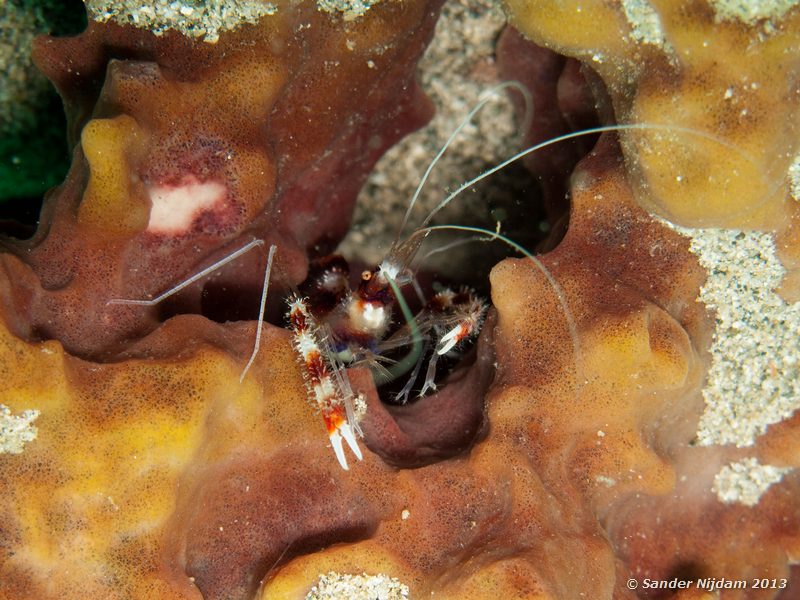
[[562, 298], [576, 134], [485, 97], [261, 309], [265, 578], [456, 243], [174, 290]]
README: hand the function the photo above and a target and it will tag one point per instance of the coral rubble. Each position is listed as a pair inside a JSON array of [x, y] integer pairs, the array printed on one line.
[[563, 462]]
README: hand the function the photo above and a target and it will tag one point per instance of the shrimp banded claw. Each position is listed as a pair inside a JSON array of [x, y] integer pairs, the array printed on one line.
[[332, 398]]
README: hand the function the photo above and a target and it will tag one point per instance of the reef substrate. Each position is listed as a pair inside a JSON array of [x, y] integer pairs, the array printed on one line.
[[575, 458]]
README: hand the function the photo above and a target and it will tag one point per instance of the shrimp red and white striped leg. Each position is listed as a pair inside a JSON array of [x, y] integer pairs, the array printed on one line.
[[322, 385], [456, 317], [467, 311]]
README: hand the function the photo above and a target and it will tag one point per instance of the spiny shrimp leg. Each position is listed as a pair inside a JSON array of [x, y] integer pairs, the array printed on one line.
[[463, 313], [210, 269], [331, 399], [402, 397], [468, 311], [261, 308]]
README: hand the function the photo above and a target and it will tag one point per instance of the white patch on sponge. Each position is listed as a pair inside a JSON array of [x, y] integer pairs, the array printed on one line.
[[174, 208]]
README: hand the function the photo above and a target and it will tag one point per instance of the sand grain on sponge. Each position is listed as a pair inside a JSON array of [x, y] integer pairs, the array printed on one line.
[[204, 20], [16, 430], [341, 586], [751, 12], [645, 23], [754, 377], [746, 481], [349, 9]]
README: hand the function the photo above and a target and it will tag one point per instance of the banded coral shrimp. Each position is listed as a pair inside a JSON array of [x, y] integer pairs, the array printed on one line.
[[335, 327]]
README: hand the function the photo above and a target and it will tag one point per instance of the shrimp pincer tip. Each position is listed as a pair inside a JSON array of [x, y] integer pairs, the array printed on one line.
[[336, 442], [350, 438], [346, 432], [447, 346]]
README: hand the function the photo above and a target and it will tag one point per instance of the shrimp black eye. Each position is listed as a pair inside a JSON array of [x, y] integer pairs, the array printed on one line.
[[366, 275]]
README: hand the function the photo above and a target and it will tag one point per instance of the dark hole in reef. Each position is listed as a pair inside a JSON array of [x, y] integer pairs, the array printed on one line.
[[228, 302], [531, 211], [451, 364], [223, 303], [63, 17], [456, 258], [511, 197]]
